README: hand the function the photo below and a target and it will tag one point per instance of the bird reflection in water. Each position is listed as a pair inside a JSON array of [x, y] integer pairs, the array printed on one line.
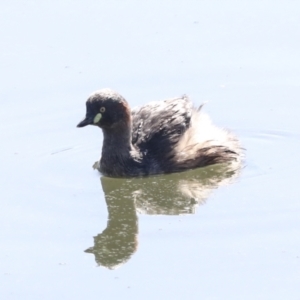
[[173, 194]]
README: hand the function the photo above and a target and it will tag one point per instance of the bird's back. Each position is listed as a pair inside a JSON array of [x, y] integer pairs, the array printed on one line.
[[158, 126], [174, 136]]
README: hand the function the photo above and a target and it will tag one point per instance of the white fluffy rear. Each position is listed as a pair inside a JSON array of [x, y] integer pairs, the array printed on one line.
[[202, 134]]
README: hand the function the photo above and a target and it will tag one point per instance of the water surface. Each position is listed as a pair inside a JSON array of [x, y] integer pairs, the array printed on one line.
[[68, 233]]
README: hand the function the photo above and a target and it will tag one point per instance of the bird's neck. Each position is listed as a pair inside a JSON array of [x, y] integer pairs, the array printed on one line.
[[118, 154], [117, 140]]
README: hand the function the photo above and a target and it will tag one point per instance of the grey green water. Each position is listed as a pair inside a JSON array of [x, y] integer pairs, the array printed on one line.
[[214, 233]]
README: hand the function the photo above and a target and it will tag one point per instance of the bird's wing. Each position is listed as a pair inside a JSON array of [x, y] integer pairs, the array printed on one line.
[[158, 126]]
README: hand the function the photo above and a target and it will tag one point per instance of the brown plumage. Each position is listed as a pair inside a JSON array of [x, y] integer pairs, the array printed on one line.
[[160, 137]]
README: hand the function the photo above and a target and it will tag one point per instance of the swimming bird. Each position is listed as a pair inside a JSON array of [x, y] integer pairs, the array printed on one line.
[[157, 138]]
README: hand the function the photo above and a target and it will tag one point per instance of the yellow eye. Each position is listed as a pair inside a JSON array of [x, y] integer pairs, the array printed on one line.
[[102, 109]]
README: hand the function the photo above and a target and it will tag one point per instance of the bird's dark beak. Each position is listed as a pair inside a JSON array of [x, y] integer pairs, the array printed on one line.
[[86, 121]]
